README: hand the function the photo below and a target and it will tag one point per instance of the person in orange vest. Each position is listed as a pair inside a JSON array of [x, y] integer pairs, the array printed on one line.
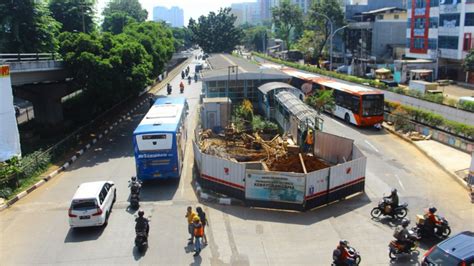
[[309, 140], [190, 216], [198, 234]]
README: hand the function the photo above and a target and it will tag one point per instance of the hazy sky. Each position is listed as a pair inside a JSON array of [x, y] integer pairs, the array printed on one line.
[[192, 8]]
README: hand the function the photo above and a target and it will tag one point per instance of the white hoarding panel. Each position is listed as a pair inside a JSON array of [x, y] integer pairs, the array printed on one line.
[[197, 155], [345, 174], [332, 148], [316, 183], [223, 171], [275, 186], [9, 137]]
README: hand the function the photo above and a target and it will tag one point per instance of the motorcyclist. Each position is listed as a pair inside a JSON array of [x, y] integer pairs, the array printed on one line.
[[431, 219], [195, 77], [181, 86], [189, 79], [135, 185], [168, 88], [141, 222], [392, 200], [341, 253], [403, 235], [182, 74]]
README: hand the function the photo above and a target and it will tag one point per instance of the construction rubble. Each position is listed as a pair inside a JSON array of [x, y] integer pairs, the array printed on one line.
[[276, 154], [415, 136]]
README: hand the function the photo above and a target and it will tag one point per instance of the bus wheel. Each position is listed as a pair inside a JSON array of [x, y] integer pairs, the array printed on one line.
[[347, 119]]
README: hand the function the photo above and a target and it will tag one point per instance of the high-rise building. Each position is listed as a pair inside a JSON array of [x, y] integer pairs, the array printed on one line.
[[173, 16], [266, 7], [441, 31], [246, 12]]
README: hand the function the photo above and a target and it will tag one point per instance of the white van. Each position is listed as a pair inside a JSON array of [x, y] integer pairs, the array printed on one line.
[[92, 204]]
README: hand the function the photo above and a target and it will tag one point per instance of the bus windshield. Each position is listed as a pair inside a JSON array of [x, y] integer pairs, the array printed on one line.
[[372, 105]]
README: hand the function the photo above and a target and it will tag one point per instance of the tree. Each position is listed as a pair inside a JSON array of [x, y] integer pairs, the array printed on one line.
[[469, 62], [156, 38], [287, 17], [256, 38], [106, 67], [182, 38], [317, 22], [307, 43], [322, 100], [74, 15], [116, 22], [26, 26], [132, 8], [216, 33]]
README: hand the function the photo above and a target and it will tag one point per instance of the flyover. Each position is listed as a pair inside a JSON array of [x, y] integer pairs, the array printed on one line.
[[43, 80]]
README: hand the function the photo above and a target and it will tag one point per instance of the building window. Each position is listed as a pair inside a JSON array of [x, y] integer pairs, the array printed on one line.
[[448, 42], [467, 42], [434, 23], [434, 3], [420, 3], [449, 20], [432, 44], [407, 43], [380, 17], [396, 16], [408, 23], [469, 19], [420, 23], [419, 43]]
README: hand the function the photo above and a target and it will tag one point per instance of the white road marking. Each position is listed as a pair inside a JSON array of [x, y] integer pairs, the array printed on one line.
[[337, 122], [372, 146], [400, 182]]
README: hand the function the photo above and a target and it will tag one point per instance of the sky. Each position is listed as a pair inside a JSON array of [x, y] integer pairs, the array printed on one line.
[[192, 8]]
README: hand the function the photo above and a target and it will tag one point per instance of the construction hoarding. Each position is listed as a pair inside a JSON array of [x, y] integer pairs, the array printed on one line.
[[9, 136]]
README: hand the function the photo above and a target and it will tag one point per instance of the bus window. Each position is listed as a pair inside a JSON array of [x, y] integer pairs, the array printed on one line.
[[154, 142], [372, 105]]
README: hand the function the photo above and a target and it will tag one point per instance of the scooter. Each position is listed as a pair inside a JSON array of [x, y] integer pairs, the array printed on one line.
[[354, 254], [135, 187], [384, 208], [141, 238], [189, 80], [168, 90], [396, 248], [441, 230]]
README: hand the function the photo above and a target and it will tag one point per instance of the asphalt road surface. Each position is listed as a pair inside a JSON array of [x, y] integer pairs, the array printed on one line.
[[35, 230]]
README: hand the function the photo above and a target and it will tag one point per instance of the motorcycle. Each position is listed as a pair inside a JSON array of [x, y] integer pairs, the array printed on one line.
[[141, 237], [195, 78], [441, 230], [354, 254], [168, 89], [396, 248], [135, 187], [182, 74], [385, 209], [189, 80]]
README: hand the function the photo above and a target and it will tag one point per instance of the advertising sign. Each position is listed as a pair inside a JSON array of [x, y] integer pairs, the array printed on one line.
[[9, 137], [275, 186]]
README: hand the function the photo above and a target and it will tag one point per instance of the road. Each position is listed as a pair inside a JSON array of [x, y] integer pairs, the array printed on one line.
[[35, 230]]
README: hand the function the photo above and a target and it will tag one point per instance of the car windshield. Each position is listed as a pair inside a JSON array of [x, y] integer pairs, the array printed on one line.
[[372, 105], [84, 204], [440, 257]]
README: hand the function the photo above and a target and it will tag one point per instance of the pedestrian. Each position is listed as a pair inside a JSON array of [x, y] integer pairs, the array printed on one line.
[[190, 215], [198, 233], [309, 140], [202, 217]]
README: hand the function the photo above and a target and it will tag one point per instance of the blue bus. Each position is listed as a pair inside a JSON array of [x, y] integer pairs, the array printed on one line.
[[159, 141]]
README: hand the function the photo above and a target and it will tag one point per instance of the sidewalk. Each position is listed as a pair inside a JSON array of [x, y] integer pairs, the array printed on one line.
[[455, 162]]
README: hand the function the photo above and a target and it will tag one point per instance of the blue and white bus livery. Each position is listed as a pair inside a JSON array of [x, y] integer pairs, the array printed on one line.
[[159, 141]]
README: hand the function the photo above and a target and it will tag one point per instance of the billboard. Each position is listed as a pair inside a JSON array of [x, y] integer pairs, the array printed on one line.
[[275, 186], [9, 137]]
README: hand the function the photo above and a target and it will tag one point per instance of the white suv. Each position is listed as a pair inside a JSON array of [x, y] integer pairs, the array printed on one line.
[[92, 204]]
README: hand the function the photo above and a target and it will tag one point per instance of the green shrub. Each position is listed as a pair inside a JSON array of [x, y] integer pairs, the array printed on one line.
[[466, 105], [436, 98]]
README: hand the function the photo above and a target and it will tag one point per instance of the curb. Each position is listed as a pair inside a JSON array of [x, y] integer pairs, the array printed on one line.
[[216, 199], [78, 154], [453, 175]]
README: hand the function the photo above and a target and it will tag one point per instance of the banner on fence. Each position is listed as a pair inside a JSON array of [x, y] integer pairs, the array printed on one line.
[[9, 136], [275, 186]]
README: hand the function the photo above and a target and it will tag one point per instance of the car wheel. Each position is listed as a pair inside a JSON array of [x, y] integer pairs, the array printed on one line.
[[347, 119]]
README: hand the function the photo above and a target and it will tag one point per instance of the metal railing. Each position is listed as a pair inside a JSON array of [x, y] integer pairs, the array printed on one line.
[[29, 57]]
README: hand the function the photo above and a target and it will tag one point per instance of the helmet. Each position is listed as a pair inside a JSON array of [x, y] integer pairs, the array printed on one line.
[[394, 190], [141, 213], [432, 209], [343, 242], [405, 222], [196, 219], [134, 178]]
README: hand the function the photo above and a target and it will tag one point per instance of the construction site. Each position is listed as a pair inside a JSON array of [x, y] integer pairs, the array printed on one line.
[[276, 154]]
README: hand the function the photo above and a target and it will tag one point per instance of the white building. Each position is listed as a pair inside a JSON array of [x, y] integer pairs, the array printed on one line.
[[442, 31], [248, 12], [173, 16]]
